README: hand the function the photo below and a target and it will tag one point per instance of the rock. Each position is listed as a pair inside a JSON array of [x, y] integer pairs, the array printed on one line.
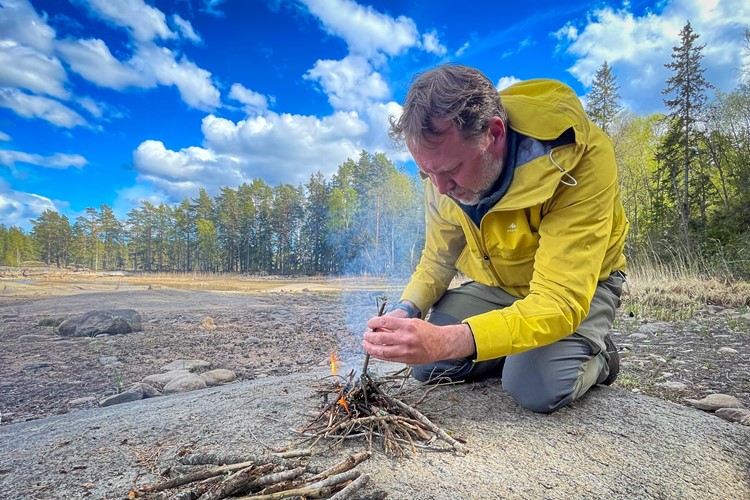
[[208, 323], [191, 365], [185, 383], [110, 321], [149, 391], [218, 376], [637, 336], [676, 386], [252, 340], [713, 402], [33, 337], [80, 401], [739, 415], [745, 316], [728, 350], [135, 393], [159, 380], [110, 361]]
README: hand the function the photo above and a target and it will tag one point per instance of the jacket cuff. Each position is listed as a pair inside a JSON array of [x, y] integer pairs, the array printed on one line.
[[490, 335]]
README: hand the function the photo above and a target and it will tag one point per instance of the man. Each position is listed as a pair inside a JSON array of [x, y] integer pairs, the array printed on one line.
[[523, 199]]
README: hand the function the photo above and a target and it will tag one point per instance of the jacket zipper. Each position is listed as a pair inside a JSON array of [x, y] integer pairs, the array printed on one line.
[[476, 234]]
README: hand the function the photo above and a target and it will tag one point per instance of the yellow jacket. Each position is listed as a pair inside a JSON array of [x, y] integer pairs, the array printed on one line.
[[546, 241]]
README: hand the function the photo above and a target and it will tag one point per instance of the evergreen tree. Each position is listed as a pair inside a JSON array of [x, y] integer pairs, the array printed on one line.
[[604, 99], [686, 97]]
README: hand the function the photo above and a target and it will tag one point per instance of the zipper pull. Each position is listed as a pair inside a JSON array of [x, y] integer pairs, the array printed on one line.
[[486, 257]]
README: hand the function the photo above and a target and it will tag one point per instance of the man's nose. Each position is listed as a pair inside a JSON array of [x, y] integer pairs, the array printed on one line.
[[443, 183]]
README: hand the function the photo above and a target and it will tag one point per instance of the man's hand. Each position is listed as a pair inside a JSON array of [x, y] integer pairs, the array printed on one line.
[[414, 341]]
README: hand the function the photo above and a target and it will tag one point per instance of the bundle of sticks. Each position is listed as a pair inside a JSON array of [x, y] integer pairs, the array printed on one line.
[[371, 407], [267, 478]]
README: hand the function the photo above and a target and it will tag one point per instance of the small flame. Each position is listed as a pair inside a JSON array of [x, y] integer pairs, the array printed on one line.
[[334, 359], [342, 402]]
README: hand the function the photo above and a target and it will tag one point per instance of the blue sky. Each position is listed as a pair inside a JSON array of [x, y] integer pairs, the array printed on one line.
[[117, 101]]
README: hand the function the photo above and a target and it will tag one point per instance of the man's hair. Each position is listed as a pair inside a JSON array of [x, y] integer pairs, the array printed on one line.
[[461, 94]]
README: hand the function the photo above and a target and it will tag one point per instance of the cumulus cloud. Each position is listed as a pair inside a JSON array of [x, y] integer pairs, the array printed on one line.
[[254, 103], [637, 47], [34, 106], [27, 68], [58, 160], [146, 23], [365, 30], [431, 43], [186, 29], [20, 22], [17, 207], [350, 83], [506, 81], [92, 60]]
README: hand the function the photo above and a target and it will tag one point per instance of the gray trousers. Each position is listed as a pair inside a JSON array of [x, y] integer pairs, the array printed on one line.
[[543, 379]]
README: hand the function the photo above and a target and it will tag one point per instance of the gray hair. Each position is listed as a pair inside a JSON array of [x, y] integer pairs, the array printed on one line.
[[460, 94]]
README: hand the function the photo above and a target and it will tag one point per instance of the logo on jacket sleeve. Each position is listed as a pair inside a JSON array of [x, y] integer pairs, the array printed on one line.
[[512, 227]]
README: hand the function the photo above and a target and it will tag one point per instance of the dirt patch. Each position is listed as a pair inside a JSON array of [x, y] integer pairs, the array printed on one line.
[[278, 327]]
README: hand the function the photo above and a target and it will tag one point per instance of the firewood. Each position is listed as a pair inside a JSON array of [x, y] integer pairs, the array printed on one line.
[[319, 488], [351, 488]]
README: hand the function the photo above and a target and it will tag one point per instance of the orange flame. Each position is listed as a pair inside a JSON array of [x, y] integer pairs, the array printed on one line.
[[334, 359], [342, 402]]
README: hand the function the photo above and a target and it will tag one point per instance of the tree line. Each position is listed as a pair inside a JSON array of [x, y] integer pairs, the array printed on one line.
[[367, 219], [684, 178]]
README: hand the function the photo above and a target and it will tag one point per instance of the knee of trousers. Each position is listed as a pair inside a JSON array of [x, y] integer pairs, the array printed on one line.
[[539, 396]]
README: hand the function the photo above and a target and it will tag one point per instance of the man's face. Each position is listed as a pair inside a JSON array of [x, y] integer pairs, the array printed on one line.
[[464, 170]]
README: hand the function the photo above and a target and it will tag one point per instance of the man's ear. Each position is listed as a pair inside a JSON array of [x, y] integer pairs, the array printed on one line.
[[497, 134]]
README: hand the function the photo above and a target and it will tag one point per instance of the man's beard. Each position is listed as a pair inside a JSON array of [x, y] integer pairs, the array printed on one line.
[[491, 169]]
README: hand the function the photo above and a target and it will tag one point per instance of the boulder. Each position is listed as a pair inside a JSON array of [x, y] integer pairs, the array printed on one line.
[[134, 393], [102, 321], [185, 383], [191, 365], [713, 402], [218, 376], [159, 380]]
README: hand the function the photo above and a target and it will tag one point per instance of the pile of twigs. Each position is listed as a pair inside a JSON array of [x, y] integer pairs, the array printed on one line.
[[266, 478], [373, 407]]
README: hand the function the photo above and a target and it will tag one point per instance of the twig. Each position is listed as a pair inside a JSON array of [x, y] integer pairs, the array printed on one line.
[[318, 488], [348, 463], [351, 488]]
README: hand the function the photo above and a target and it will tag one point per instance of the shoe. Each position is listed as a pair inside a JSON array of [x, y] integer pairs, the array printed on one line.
[[613, 362]]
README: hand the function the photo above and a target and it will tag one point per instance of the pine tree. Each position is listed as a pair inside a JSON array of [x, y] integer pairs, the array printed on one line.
[[686, 97], [604, 98]]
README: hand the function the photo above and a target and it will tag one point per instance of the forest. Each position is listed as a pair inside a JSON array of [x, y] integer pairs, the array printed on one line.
[[684, 179]]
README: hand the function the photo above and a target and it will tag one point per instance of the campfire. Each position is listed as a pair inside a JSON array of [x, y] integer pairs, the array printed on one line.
[[372, 407]]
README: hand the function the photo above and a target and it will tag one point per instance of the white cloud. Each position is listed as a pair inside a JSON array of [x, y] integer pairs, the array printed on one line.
[[638, 47], [57, 160], [146, 23], [431, 43], [365, 30], [254, 102], [92, 60], [4, 136], [17, 207], [186, 29], [20, 22], [350, 83], [193, 83], [33, 106], [463, 49], [506, 81], [27, 68]]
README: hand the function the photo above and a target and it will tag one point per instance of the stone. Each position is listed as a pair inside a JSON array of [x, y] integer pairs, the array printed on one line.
[[191, 365], [109, 321], [676, 386], [728, 350], [218, 376], [159, 380], [637, 336], [135, 393], [80, 401], [185, 383], [149, 391], [739, 415], [110, 361], [33, 337], [252, 340], [713, 402]]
